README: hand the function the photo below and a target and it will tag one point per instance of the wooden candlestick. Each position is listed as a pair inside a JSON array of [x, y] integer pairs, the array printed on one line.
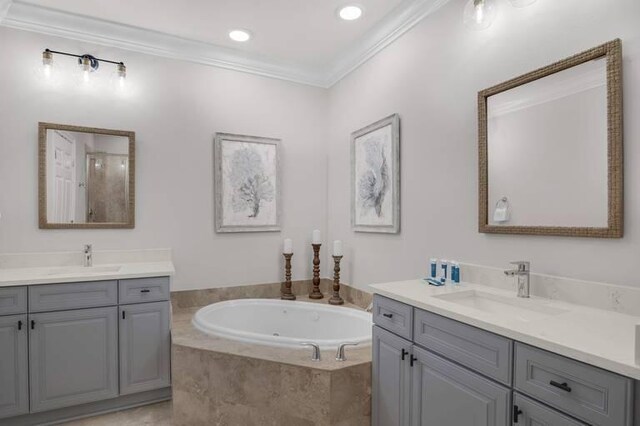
[[315, 290], [285, 288], [336, 299]]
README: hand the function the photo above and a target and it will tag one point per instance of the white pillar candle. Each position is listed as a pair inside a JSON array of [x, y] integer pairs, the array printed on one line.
[[288, 246], [337, 248], [315, 237]]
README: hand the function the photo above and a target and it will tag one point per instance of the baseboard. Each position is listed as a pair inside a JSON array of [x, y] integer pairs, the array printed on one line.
[[91, 409]]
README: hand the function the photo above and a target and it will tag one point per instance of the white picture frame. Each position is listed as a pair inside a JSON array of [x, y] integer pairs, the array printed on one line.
[[247, 183], [375, 177]]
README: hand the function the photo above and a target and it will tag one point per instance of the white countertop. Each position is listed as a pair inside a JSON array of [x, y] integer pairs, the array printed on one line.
[[63, 274], [602, 338]]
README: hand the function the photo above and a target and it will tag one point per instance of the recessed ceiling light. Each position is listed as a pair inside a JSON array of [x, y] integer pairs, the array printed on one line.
[[350, 13], [239, 35]]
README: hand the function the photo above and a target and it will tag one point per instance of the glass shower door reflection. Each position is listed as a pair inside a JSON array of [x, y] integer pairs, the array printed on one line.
[[107, 188]]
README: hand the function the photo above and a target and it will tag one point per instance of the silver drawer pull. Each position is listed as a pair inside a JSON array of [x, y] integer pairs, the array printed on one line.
[[564, 386]]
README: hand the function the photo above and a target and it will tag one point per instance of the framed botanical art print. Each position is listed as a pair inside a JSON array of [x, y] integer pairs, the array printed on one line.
[[247, 183], [375, 177]]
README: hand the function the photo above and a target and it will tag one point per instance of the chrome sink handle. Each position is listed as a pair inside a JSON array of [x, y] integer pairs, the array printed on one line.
[[340, 354], [315, 356]]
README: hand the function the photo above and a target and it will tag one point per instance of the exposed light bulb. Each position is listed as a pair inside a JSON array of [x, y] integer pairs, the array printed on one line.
[[86, 69], [47, 63], [122, 73], [479, 14]]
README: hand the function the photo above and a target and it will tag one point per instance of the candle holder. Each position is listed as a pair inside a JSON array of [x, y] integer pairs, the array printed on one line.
[[285, 288], [336, 299], [315, 289]]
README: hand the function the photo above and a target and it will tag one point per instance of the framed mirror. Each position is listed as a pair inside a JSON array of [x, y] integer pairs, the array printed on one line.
[[550, 149], [85, 177]]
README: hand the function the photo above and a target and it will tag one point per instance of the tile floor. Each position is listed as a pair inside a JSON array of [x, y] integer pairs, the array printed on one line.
[[159, 414]]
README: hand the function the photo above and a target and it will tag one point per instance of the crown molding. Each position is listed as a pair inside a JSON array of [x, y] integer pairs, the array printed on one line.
[[528, 96], [44, 20], [4, 8], [401, 20]]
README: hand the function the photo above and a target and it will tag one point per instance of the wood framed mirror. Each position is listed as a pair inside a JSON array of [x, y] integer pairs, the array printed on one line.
[[551, 149], [86, 177]]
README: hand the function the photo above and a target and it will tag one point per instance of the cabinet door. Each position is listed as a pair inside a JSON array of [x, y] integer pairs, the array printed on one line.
[[391, 377], [145, 347], [444, 393], [73, 357], [527, 412], [14, 396]]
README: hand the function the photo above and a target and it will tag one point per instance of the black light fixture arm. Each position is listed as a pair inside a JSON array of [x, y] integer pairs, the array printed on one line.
[[73, 55]]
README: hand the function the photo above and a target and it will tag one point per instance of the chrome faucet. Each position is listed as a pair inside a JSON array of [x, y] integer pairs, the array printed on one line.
[[315, 355], [522, 273], [340, 354], [88, 255]]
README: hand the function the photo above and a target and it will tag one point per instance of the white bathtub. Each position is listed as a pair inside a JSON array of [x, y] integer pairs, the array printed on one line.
[[284, 323]]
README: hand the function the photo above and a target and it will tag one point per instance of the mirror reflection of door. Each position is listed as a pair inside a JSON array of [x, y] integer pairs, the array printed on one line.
[[107, 187], [61, 150], [85, 177]]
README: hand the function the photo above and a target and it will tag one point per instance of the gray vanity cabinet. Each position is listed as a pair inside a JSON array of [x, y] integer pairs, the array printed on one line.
[[14, 374], [460, 375], [391, 385], [73, 357], [144, 347], [444, 393]]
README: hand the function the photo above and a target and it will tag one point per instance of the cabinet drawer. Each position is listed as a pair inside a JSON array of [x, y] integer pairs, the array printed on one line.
[[531, 413], [141, 290], [59, 297], [596, 396], [479, 350], [393, 316], [13, 300]]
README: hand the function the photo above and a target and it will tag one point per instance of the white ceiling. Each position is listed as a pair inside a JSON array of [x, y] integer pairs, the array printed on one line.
[[298, 40]]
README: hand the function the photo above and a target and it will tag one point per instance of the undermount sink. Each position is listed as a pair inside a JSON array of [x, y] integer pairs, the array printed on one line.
[[519, 309], [84, 270]]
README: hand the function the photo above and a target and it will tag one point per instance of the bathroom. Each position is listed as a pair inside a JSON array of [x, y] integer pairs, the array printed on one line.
[[146, 278]]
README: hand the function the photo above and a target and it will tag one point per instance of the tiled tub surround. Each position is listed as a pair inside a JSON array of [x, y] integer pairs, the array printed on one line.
[[225, 382], [197, 298]]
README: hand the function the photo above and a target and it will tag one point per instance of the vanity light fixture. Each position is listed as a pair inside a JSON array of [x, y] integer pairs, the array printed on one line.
[[122, 73], [88, 64], [47, 63], [350, 12], [479, 14], [240, 35]]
